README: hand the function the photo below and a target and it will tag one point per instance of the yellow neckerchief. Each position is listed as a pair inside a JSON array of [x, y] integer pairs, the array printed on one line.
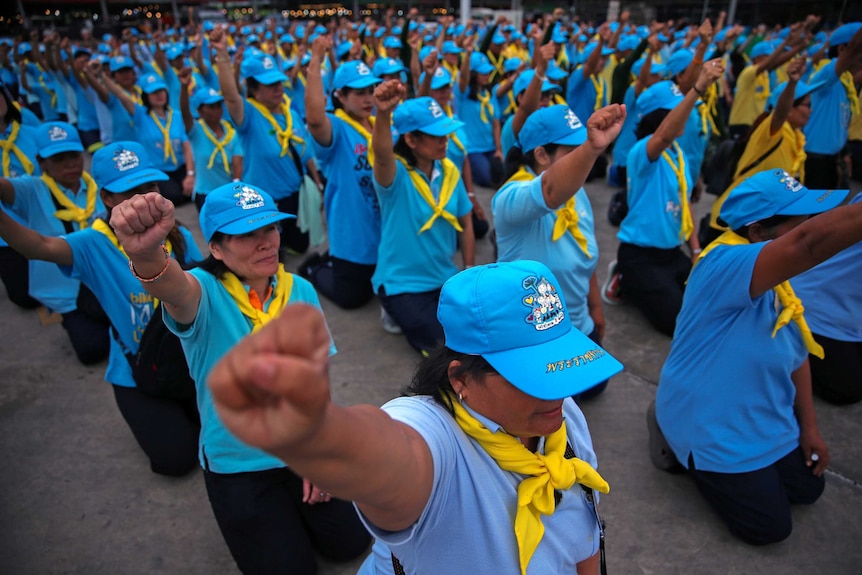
[[792, 308], [497, 62], [762, 81], [341, 114], [567, 219], [451, 177], [709, 110], [157, 69], [687, 225], [512, 106], [301, 77], [284, 135], [599, 85], [45, 87], [524, 174], [558, 99], [280, 297], [563, 58], [820, 63], [71, 212], [101, 226], [369, 51], [545, 473], [485, 104], [452, 69], [850, 88], [219, 145], [165, 129], [453, 137], [9, 146], [134, 95]]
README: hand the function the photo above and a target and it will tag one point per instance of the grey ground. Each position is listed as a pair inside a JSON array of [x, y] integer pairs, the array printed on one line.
[[77, 496]]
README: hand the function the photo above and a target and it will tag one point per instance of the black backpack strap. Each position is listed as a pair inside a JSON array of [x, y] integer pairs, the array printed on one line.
[[759, 160], [296, 160], [570, 454], [130, 357]]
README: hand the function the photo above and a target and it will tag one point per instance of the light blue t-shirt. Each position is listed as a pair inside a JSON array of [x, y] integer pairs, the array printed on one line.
[[826, 130], [207, 179], [26, 142], [453, 151], [507, 136], [627, 137], [507, 104], [296, 92], [34, 204], [151, 138], [581, 94], [263, 164], [122, 123], [694, 141], [105, 270], [352, 208], [725, 394], [410, 262], [218, 326], [654, 219], [474, 500], [525, 226], [480, 133], [88, 119], [832, 293], [44, 87]]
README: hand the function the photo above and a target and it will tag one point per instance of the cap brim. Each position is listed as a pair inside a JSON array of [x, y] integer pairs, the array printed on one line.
[[576, 138], [269, 77], [253, 222], [566, 366], [442, 127], [150, 88], [362, 82], [144, 176], [55, 149], [813, 202], [210, 100], [550, 87], [484, 69]]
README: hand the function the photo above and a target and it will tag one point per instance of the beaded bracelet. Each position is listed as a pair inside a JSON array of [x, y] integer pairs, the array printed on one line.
[[160, 274]]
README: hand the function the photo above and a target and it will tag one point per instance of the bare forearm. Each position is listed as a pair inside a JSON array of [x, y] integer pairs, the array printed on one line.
[[564, 178]]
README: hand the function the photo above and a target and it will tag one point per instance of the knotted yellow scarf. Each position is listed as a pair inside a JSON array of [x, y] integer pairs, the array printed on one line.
[[165, 130], [498, 64], [563, 58], [451, 177], [567, 219], [545, 473], [687, 225], [452, 69], [218, 146], [49, 91], [71, 212], [599, 85], [709, 111], [135, 95], [302, 80], [850, 88], [524, 174], [792, 308], [512, 106], [285, 135], [9, 146], [558, 99], [280, 297], [486, 108], [341, 114]]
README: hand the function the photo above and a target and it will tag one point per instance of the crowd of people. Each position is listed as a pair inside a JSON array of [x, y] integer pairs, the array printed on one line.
[[363, 148]]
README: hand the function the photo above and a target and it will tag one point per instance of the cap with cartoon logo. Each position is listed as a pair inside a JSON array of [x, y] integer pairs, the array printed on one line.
[[121, 166], [354, 74], [238, 208], [54, 138], [262, 68], [552, 125], [424, 115]]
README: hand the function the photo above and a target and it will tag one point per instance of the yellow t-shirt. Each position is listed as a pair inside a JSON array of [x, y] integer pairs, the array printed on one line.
[[855, 131], [513, 51], [750, 98], [789, 156]]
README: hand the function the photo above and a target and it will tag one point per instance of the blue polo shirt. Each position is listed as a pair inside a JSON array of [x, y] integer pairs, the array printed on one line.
[[725, 395], [581, 94], [410, 262], [480, 133], [88, 119], [694, 140], [826, 131], [627, 137], [654, 219], [218, 326], [507, 136], [150, 137], [352, 208], [525, 226], [122, 123], [207, 179], [105, 270], [26, 142]]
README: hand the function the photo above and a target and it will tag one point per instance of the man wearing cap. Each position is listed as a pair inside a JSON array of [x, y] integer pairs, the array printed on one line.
[[123, 73], [62, 200], [587, 90], [735, 406], [486, 413], [833, 106]]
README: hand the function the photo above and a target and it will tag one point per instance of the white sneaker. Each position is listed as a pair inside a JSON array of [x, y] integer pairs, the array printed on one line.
[[389, 325]]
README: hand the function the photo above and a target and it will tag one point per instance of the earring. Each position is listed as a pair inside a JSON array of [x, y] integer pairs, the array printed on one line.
[[460, 398]]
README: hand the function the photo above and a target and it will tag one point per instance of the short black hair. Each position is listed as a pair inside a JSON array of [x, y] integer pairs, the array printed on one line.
[[431, 377]]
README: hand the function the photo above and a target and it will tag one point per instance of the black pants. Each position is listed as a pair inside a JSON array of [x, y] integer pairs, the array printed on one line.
[[346, 283], [166, 429], [173, 188], [738, 131], [821, 172], [268, 528], [838, 377], [755, 506], [653, 280], [416, 315], [15, 275], [89, 336], [291, 237]]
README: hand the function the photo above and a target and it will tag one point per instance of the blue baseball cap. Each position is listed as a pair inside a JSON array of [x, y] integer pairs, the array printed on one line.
[[427, 49], [555, 72], [480, 63], [678, 62], [523, 81], [514, 315], [386, 66], [120, 62], [121, 166], [552, 125], [175, 51], [498, 38], [354, 74], [203, 96], [664, 95], [262, 68], [238, 208], [209, 26], [511, 65], [843, 34], [343, 49], [253, 39], [23, 48], [286, 39], [441, 79], [450, 47], [392, 42], [764, 48], [150, 83], [628, 42], [775, 193], [424, 115], [54, 138], [802, 89]]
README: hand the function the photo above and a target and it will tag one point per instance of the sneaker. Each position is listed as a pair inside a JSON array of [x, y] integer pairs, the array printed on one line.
[[611, 290], [389, 325]]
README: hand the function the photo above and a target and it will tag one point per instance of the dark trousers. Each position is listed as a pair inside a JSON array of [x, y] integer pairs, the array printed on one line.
[[838, 377], [199, 200], [173, 188], [487, 170], [821, 172], [416, 315], [755, 506], [738, 131], [291, 237], [89, 336], [15, 275], [653, 280], [346, 283], [90, 138], [166, 429], [855, 147], [268, 528]]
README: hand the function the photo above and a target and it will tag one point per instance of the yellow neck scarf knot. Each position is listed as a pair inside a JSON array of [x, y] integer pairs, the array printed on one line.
[[687, 225], [165, 130], [341, 114], [545, 473], [280, 297], [8, 146], [71, 212], [709, 111], [567, 220], [486, 108], [219, 145], [285, 135], [599, 85], [451, 176], [512, 106]]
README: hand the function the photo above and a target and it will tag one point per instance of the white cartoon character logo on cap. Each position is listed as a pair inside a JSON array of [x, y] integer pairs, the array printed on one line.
[[57, 134], [362, 69], [247, 197], [790, 183], [675, 90], [435, 109], [268, 64], [573, 121], [546, 307], [125, 160], [439, 73]]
